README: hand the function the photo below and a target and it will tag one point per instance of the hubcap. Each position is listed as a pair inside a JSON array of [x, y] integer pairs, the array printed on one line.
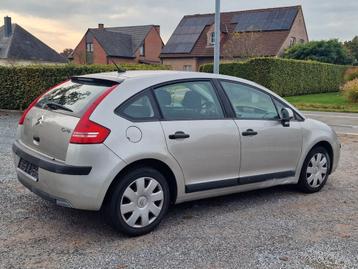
[[142, 202], [316, 170]]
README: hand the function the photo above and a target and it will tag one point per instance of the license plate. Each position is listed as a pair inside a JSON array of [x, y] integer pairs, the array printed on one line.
[[29, 168]]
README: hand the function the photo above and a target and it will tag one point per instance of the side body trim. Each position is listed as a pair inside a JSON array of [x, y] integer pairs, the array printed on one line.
[[236, 181]]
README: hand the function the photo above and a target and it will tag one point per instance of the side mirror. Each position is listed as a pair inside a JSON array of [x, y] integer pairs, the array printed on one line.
[[286, 116]]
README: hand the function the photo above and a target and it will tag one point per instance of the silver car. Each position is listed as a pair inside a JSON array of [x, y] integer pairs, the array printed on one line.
[[133, 143]]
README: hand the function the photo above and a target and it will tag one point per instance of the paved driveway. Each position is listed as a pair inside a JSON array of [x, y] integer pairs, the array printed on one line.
[[342, 122]]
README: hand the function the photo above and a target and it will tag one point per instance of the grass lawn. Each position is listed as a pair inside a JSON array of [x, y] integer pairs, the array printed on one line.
[[332, 101]]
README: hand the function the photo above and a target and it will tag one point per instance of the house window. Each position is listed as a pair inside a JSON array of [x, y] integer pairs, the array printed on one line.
[[187, 67], [89, 47], [292, 41], [302, 41], [141, 50], [212, 38]]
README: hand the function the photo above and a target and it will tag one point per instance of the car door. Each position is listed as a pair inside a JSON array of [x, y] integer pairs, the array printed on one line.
[[268, 149], [203, 141]]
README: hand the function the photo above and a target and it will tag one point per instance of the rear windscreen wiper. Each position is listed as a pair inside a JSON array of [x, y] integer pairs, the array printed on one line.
[[55, 106]]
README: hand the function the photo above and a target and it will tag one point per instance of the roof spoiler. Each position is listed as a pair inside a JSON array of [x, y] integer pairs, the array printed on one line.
[[93, 81]]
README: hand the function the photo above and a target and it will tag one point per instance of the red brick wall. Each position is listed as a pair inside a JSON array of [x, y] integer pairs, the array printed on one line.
[[99, 55], [152, 46], [79, 53], [152, 43], [178, 63]]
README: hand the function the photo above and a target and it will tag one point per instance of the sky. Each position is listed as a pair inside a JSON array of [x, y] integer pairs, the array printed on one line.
[[62, 23]]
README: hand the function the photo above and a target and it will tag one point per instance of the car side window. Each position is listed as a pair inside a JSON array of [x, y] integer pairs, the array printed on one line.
[[279, 106], [139, 107], [248, 102], [189, 101]]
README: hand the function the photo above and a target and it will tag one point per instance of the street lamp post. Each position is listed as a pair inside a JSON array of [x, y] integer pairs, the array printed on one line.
[[217, 38]]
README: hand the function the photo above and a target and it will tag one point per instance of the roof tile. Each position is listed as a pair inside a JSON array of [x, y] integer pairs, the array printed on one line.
[[24, 46], [121, 41], [270, 27]]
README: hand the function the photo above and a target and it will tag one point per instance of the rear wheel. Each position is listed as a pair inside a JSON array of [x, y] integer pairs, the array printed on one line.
[[139, 201], [315, 170]]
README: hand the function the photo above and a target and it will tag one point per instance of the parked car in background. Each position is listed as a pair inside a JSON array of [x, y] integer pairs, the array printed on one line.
[[133, 143]]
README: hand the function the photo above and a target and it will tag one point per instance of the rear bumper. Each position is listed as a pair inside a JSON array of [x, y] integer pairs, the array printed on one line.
[[81, 182], [44, 195], [50, 165]]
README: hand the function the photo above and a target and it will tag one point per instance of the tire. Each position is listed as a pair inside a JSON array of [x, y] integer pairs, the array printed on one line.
[[138, 202], [314, 173]]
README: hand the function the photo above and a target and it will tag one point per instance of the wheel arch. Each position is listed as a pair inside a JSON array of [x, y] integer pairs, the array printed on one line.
[[326, 145], [153, 163]]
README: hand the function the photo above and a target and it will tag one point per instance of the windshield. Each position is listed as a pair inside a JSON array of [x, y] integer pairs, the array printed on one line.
[[71, 97]]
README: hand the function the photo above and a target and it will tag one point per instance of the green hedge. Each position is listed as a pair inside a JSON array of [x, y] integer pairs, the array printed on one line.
[[284, 76], [19, 85]]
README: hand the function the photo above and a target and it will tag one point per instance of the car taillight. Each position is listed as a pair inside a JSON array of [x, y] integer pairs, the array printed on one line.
[[87, 131], [34, 102]]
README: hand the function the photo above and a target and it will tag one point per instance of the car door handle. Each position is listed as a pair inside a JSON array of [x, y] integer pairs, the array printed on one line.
[[249, 132], [179, 135]]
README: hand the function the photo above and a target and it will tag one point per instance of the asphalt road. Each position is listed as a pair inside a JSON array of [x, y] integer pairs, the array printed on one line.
[[272, 228], [346, 123]]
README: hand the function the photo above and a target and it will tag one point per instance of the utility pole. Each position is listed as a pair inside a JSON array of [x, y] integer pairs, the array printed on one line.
[[217, 38]]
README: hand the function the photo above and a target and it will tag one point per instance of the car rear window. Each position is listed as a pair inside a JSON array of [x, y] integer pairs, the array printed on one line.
[[73, 96]]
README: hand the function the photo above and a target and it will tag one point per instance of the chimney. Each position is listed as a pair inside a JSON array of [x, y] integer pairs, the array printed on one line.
[[101, 26], [7, 26]]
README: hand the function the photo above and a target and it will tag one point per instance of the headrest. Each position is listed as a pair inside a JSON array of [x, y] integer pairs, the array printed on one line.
[[163, 97], [192, 100]]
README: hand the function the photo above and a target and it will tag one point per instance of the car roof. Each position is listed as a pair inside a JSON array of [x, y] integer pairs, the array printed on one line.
[[168, 75]]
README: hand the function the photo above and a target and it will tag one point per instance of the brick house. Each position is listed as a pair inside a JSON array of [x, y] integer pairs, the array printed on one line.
[[18, 46], [244, 34], [131, 44]]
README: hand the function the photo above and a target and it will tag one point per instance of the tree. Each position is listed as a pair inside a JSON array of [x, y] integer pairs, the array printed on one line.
[[66, 52], [352, 47], [330, 51]]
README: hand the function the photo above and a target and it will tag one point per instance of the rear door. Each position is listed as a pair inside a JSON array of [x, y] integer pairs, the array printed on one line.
[[48, 126], [268, 149], [204, 142]]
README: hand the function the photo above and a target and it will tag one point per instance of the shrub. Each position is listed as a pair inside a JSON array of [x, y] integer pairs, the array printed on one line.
[[286, 77], [327, 51], [350, 90], [19, 85], [351, 73]]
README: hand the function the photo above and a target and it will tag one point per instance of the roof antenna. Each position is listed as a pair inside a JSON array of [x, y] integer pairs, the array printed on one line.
[[119, 68]]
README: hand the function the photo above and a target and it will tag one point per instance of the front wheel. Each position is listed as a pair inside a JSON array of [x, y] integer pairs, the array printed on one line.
[[139, 201], [315, 170]]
